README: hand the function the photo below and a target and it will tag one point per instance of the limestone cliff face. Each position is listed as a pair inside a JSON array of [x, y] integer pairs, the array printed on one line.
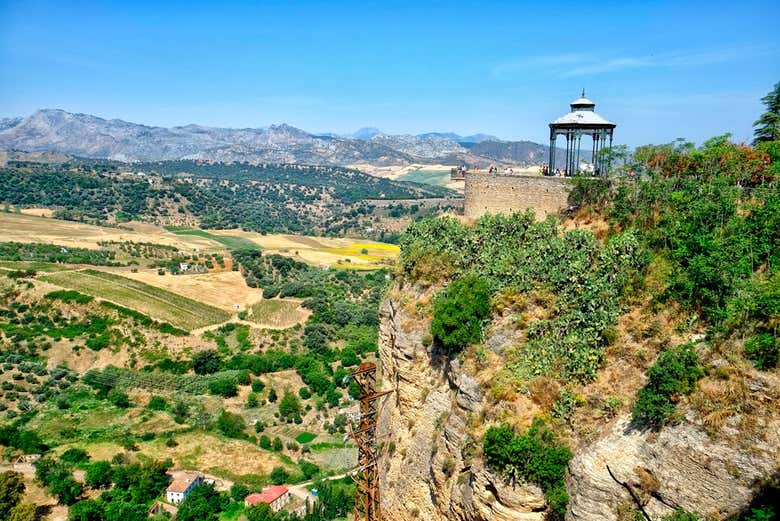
[[434, 471], [430, 473], [680, 467]]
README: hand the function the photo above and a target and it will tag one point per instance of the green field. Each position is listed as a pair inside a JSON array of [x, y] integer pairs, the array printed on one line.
[[305, 437], [158, 303], [229, 242], [35, 265], [428, 177]]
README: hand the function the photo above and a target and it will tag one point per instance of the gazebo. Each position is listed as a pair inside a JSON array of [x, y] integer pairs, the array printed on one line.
[[581, 121]]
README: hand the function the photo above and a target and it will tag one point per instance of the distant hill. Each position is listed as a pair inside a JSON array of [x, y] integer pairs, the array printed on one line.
[[475, 138], [524, 152], [84, 135]]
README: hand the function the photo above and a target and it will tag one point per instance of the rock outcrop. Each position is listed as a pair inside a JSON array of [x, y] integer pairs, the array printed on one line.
[[431, 474], [434, 471], [679, 467]]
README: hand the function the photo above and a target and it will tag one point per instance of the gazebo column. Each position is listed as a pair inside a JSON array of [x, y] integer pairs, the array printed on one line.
[[551, 163], [577, 162], [610, 146]]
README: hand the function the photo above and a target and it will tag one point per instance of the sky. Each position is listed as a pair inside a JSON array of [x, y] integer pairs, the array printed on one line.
[[660, 70]]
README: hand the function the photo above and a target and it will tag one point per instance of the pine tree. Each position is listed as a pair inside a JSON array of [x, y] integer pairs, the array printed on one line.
[[767, 127]]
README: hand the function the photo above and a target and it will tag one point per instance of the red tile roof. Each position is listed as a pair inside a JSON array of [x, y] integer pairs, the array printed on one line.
[[269, 495]]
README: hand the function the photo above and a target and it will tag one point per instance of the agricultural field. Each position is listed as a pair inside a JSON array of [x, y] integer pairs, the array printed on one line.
[[278, 313], [158, 303], [323, 251], [430, 177], [33, 228], [230, 242], [220, 289]]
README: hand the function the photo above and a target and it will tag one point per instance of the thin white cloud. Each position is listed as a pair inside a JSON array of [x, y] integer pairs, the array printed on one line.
[[572, 65]]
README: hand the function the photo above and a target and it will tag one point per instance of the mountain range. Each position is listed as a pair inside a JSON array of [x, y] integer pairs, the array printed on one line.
[[54, 130]]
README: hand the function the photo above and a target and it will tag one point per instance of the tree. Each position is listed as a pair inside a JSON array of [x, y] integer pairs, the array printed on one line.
[[24, 512], [289, 406], [86, 510], [277, 446], [98, 475], [265, 442], [279, 476], [272, 395], [459, 312], [767, 127], [224, 387], [238, 492], [74, 455], [260, 512], [119, 398], [231, 424], [206, 362], [202, 504], [11, 491], [67, 490]]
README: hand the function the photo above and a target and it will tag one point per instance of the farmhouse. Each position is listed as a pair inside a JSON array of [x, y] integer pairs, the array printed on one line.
[[183, 483], [276, 497]]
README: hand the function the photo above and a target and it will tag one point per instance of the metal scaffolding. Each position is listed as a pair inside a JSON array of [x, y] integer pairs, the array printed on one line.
[[366, 475]]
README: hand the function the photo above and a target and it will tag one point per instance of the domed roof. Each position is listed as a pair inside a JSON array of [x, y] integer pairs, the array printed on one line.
[[582, 115], [582, 103]]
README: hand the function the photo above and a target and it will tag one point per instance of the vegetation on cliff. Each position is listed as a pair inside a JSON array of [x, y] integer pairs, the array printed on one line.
[[669, 271], [583, 278]]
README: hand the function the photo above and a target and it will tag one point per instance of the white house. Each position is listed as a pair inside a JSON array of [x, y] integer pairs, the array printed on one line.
[[183, 483]]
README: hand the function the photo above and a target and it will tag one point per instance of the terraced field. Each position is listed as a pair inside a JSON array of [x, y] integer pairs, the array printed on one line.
[[158, 303]]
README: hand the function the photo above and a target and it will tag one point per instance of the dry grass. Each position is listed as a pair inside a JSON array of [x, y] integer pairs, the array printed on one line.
[[220, 289], [33, 228], [278, 313], [158, 303]]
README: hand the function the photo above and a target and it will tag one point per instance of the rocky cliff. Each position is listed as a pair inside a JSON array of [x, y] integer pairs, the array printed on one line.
[[431, 472], [431, 428]]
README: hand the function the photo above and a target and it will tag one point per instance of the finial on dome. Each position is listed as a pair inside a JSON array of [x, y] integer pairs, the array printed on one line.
[[583, 92]]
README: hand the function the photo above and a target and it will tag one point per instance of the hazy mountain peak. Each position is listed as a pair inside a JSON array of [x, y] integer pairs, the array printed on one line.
[[365, 133], [56, 130]]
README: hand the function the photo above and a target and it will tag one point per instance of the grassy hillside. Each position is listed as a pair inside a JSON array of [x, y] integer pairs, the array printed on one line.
[[281, 198]]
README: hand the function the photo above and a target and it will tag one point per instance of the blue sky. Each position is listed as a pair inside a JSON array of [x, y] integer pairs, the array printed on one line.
[[661, 70]]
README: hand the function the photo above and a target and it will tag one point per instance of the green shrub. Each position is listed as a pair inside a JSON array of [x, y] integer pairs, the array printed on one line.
[[279, 476], [118, 398], [459, 313], [231, 425], [763, 350], [225, 387], [674, 373], [535, 457], [74, 455], [265, 442], [157, 403]]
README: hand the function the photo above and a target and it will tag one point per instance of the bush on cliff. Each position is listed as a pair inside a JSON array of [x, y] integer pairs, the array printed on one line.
[[536, 457], [459, 313], [674, 373]]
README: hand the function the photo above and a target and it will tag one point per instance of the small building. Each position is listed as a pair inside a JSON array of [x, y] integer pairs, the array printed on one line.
[[276, 497], [581, 121], [183, 266], [161, 508], [183, 483]]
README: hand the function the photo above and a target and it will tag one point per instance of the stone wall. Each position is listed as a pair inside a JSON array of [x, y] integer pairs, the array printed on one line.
[[496, 193]]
